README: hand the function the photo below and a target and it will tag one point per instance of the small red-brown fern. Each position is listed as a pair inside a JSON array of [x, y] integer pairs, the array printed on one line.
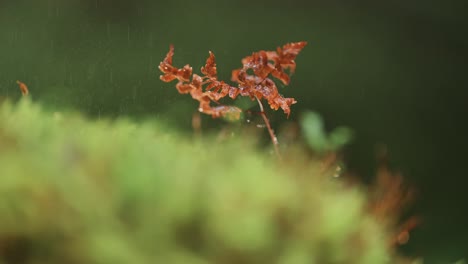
[[207, 88]]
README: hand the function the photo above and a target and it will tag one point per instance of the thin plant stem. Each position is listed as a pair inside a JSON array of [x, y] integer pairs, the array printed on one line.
[[273, 137], [196, 124]]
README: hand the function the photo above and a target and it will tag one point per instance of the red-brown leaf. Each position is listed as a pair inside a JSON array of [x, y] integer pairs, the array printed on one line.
[[210, 67], [208, 88]]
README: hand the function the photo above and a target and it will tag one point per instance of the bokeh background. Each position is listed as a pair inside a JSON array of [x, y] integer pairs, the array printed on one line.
[[394, 71]]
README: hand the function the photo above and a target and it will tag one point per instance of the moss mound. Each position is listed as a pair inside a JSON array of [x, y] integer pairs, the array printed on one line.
[[74, 190]]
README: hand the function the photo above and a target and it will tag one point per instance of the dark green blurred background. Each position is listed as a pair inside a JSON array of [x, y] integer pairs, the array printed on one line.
[[394, 71]]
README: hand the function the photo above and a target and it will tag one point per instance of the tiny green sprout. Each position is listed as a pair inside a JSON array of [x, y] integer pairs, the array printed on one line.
[[312, 126]]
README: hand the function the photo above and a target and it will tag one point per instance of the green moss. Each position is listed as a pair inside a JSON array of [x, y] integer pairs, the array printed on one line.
[[79, 191]]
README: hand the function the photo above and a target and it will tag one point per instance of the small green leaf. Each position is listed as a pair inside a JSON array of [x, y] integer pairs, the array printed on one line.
[[313, 131], [340, 136]]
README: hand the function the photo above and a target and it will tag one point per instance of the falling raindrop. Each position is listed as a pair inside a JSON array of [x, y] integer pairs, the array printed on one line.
[[108, 29], [150, 39], [49, 9], [128, 34], [52, 46], [134, 93], [65, 70], [150, 66], [140, 11]]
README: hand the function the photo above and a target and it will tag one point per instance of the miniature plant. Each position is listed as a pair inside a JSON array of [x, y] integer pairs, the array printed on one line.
[[207, 89]]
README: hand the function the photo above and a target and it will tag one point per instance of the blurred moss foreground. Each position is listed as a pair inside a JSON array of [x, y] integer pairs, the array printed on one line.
[[80, 191]]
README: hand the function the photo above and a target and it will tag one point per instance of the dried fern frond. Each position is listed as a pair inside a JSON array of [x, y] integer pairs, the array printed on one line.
[[207, 88]]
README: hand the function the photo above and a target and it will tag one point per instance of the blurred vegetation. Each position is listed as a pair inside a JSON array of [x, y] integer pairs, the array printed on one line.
[[314, 132], [75, 190]]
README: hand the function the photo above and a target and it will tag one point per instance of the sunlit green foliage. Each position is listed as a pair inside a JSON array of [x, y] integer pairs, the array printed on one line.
[[79, 191]]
